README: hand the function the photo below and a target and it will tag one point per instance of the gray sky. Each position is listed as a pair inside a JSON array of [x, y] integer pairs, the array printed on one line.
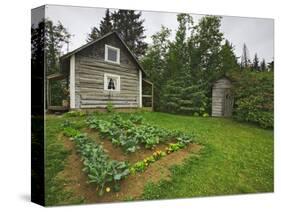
[[257, 33]]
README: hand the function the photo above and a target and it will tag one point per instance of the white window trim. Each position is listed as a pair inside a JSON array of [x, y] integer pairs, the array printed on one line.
[[106, 76], [106, 54]]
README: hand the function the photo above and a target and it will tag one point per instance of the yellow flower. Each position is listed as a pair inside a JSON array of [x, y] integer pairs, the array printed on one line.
[[107, 189]]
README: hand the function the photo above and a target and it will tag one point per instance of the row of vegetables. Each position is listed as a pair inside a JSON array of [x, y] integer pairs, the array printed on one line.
[[101, 170], [131, 133], [106, 173]]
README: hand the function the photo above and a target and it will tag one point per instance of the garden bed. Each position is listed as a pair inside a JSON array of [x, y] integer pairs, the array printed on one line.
[[132, 187], [115, 151]]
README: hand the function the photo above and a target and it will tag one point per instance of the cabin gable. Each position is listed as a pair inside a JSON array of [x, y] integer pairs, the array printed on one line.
[[93, 74]]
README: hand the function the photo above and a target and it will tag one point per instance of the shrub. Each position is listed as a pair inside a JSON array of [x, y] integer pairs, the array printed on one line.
[[109, 107], [75, 113], [254, 98], [205, 115]]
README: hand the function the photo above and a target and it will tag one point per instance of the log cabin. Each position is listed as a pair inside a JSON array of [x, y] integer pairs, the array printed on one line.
[[101, 72]]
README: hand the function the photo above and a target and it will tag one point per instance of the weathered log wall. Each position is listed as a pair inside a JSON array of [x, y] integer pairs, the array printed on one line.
[[90, 68]]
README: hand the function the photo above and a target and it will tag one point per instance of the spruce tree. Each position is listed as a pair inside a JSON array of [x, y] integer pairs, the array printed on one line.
[[154, 62], [176, 73], [56, 36], [48, 40], [183, 92], [256, 63], [205, 43], [104, 27], [245, 58], [263, 65], [106, 23], [229, 60], [129, 25]]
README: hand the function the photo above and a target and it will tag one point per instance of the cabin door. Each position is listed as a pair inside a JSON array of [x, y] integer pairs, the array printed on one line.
[[228, 102]]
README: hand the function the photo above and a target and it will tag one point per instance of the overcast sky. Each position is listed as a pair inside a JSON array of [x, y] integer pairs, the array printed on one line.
[[257, 33]]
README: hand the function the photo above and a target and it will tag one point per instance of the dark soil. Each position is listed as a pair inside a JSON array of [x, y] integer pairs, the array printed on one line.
[[131, 187]]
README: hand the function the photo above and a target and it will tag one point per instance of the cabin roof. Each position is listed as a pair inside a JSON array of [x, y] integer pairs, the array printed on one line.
[[99, 39]]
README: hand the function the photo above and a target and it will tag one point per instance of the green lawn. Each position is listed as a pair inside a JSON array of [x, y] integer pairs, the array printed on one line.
[[237, 158], [56, 156]]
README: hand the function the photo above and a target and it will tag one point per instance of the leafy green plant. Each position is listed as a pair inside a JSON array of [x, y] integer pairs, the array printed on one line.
[[75, 113], [100, 169], [70, 132], [205, 115], [184, 139], [109, 107], [139, 166], [136, 119], [158, 155], [129, 135], [66, 123]]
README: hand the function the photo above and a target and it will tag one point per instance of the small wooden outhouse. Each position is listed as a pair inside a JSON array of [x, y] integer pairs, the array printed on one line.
[[222, 98]]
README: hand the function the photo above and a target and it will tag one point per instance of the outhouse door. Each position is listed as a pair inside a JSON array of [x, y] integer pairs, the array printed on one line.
[[228, 102]]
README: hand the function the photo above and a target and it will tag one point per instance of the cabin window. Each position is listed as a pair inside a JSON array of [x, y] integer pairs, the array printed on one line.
[[111, 82], [112, 54]]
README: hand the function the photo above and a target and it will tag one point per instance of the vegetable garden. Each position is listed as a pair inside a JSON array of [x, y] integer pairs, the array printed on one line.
[[130, 135]]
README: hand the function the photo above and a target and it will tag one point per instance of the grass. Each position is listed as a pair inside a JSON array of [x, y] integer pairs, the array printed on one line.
[[55, 159], [237, 158]]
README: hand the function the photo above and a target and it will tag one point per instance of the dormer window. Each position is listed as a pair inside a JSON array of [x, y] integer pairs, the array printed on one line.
[[112, 54]]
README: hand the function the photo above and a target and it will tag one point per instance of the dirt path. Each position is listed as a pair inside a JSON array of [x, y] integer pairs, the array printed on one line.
[[131, 187]]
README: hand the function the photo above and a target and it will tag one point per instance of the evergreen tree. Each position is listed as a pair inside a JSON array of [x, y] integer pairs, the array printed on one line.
[[93, 35], [129, 26], [183, 92], [51, 38], [104, 28], [229, 60], [106, 23], [256, 63], [37, 47], [48, 40], [245, 58], [178, 51], [155, 63], [205, 43], [263, 65]]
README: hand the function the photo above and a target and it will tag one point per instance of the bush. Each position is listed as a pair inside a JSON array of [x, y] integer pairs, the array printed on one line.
[[109, 107], [75, 113], [254, 98]]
